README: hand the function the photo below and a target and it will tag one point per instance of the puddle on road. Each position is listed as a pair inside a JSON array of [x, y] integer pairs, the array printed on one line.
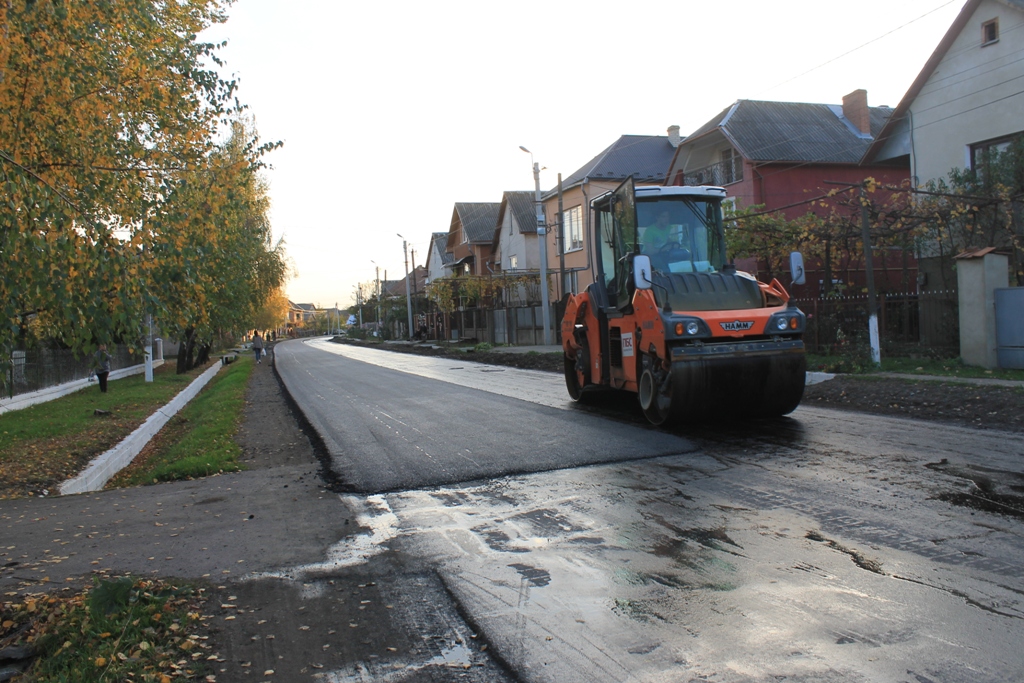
[[994, 490], [376, 517], [548, 522], [497, 493], [533, 575], [498, 540], [983, 501]]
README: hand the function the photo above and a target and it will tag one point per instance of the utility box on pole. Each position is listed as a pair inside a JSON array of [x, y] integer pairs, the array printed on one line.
[[979, 273]]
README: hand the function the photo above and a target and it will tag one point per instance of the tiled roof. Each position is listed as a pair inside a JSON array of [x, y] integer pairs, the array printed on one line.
[[794, 131], [478, 220], [523, 209], [439, 242], [645, 157]]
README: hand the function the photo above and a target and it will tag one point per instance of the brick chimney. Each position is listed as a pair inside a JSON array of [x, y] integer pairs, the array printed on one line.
[[855, 109], [673, 136]]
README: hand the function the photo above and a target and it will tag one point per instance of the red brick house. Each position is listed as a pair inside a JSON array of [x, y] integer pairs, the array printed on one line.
[[783, 154]]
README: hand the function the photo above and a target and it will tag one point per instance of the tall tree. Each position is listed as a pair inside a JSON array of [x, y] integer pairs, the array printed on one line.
[[103, 106]]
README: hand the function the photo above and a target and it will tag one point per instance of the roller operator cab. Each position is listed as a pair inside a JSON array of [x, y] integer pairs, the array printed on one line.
[[670, 319]]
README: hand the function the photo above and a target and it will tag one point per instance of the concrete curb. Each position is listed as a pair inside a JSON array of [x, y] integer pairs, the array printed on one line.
[[50, 393], [105, 466]]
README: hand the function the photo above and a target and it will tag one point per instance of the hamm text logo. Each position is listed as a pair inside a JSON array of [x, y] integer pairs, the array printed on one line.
[[737, 325]]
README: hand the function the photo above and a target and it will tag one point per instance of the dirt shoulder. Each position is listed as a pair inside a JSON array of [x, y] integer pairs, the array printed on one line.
[[968, 405]]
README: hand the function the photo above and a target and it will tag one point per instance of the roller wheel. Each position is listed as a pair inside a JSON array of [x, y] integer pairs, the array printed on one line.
[[573, 382], [656, 392]]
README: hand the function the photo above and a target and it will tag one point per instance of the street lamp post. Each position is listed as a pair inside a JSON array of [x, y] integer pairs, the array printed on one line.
[[542, 235], [377, 325], [408, 296]]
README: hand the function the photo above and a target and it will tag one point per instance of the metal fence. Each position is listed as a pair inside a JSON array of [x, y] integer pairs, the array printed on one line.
[[40, 368], [924, 323]]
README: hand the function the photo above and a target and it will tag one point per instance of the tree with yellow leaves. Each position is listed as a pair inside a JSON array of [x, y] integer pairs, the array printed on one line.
[[100, 104], [118, 200]]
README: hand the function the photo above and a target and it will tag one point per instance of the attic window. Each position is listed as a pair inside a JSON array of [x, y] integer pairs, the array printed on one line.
[[990, 32]]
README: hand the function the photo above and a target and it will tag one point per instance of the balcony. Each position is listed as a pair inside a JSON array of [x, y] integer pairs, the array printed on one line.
[[722, 173]]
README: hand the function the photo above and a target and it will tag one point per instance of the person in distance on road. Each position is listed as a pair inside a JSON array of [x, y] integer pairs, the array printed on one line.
[[257, 346], [101, 363]]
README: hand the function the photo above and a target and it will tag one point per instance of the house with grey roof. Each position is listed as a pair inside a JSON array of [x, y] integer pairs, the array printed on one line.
[[645, 158], [516, 248], [439, 257], [515, 234], [471, 238], [779, 154]]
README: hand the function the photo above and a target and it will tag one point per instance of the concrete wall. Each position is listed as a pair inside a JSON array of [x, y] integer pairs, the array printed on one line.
[[977, 280]]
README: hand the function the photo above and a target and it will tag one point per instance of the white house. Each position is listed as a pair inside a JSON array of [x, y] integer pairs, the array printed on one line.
[[968, 97]]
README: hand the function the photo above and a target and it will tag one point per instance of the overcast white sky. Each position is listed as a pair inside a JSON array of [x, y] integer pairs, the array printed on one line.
[[390, 112]]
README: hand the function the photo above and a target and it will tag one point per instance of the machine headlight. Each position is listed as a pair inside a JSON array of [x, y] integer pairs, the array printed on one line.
[[790, 321], [689, 327]]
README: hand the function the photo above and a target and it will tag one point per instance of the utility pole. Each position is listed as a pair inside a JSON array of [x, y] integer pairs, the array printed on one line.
[[377, 321], [412, 255], [869, 268], [561, 244], [869, 273], [542, 239], [149, 348], [408, 295]]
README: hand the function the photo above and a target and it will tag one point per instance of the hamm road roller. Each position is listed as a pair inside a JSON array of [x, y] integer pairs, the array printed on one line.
[[670, 319]]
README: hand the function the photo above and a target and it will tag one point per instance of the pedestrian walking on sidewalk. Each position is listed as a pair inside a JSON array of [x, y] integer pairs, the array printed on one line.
[[257, 346], [101, 363]]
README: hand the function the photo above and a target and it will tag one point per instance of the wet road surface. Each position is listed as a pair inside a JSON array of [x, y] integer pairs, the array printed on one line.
[[828, 546]]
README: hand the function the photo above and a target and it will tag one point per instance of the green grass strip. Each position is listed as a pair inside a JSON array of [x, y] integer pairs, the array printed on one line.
[[47, 443], [199, 440]]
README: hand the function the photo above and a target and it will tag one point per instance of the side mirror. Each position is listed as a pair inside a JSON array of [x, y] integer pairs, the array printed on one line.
[[642, 271], [796, 268]]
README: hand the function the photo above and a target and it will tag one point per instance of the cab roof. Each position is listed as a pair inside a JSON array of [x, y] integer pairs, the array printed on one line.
[[648, 191]]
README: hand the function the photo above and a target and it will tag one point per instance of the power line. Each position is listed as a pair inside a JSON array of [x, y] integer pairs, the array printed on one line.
[[849, 52]]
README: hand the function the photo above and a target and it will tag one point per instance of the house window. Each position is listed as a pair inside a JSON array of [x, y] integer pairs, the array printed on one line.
[[990, 32], [513, 262], [732, 166], [983, 153], [572, 228]]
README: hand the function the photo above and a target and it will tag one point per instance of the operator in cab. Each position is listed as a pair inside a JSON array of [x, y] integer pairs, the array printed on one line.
[[661, 238]]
